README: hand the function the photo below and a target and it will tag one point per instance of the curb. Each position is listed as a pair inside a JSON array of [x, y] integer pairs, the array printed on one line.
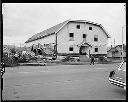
[[62, 63], [32, 64]]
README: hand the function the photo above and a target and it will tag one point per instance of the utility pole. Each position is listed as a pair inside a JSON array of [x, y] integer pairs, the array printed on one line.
[[114, 48], [122, 29], [122, 42]]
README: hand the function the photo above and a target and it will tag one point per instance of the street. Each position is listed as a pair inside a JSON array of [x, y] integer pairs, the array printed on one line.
[[61, 82]]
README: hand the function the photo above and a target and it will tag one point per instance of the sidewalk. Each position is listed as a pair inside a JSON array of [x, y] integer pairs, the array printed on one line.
[[37, 64], [64, 63], [53, 63]]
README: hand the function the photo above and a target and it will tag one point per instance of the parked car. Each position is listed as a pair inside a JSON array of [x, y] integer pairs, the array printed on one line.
[[118, 77]]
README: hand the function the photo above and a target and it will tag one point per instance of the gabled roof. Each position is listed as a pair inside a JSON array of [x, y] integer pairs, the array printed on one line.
[[115, 48], [124, 47], [47, 32], [58, 27]]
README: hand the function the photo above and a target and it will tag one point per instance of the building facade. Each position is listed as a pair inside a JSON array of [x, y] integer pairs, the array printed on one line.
[[74, 37], [6, 52], [116, 52]]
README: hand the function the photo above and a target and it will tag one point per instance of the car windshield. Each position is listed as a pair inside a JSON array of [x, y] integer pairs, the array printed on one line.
[[123, 66]]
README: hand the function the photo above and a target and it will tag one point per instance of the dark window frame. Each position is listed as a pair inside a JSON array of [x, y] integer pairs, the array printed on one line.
[[72, 35], [84, 35], [96, 49], [96, 38], [78, 26], [70, 48], [90, 28]]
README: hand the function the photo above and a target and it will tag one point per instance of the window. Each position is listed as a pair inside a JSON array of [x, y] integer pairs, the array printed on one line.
[[95, 37], [96, 49], [70, 48], [47, 45], [84, 35], [71, 35], [90, 28], [78, 26]]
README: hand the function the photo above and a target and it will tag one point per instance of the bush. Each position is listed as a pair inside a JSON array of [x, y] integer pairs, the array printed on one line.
[[9, 61], [102, 59], [22, 59], [68, 58]]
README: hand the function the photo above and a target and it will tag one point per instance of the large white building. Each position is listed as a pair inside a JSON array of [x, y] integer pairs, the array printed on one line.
[[74, 37]]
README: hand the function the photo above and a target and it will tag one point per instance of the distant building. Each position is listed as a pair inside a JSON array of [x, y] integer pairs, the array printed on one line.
[[74, 37], [6, 51], [116, 51]]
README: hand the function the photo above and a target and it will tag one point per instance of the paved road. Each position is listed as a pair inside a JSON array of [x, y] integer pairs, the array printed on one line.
[[62, 82]]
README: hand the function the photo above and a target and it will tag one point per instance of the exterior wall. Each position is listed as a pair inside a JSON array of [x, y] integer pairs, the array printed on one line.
[[6, 51], [109, 54], [46, 40], [117, 54], [64, 43], [101, 44], [62, 40]]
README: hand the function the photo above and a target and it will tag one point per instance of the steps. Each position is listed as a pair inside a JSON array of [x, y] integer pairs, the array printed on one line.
[[84, 58]]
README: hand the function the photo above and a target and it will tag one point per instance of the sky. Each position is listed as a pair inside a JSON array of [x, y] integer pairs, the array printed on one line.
[[22, 20]]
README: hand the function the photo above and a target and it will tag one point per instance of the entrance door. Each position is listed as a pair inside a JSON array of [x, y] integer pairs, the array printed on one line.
[[83, 53], [83, 50]]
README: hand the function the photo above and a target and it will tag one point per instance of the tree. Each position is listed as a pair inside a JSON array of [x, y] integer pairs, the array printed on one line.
[[13, 51]]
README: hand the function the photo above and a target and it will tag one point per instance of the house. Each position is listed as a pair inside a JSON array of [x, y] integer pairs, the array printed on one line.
[[116, 52], [74, 37], [6, 51]]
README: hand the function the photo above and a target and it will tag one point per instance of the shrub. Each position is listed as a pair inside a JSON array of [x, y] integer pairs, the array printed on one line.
[[22, 59], [68, 58], [9, 61], [102, 59]]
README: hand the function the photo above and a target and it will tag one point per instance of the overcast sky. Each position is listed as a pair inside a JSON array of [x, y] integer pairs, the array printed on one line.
[[22, 20]]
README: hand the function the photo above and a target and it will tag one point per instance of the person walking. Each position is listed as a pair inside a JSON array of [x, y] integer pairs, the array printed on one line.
[[92, 60]]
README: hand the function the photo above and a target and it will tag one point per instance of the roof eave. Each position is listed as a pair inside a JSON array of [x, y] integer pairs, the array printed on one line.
[[62, 26], [85, 21], [108, 36], [40, 37]]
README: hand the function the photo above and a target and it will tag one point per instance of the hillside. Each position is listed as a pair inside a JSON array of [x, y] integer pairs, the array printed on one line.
[[12, 46]]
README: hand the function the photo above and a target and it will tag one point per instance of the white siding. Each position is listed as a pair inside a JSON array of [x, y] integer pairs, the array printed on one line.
[[64, 43], [101, 44], [63, 40], [118, 54]]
